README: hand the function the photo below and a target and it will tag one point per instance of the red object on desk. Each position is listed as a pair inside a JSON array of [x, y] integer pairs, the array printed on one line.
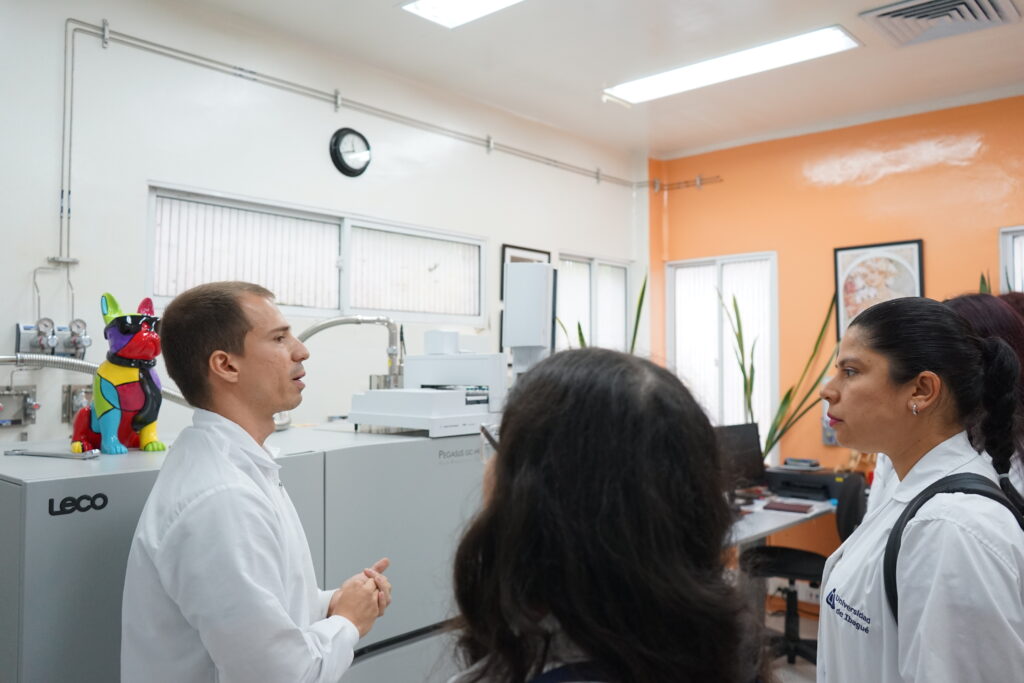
[[787, 507]]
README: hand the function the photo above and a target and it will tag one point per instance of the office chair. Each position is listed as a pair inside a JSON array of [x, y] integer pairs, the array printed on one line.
[[803, 565]]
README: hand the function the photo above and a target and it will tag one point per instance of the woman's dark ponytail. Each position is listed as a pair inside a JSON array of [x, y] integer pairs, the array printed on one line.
[[999, 401]]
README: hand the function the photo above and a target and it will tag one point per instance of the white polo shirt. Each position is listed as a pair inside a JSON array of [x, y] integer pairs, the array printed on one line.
[[884, 480], [960, 576], [220, 583]]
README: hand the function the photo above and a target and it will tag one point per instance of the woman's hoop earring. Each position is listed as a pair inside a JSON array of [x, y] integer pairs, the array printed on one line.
[[913, 408]]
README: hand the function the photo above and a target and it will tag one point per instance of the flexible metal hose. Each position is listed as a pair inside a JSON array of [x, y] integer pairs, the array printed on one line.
[[63, 363], [283, 420], [394, 363]]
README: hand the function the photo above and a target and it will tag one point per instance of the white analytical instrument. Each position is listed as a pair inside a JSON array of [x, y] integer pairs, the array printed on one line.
[[447, 392], [528, 328]]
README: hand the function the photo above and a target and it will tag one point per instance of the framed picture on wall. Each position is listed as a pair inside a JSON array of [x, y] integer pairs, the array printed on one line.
[[871, 273], [514, 254]]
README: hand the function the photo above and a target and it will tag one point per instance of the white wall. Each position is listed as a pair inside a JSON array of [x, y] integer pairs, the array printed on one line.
[[142, 119]]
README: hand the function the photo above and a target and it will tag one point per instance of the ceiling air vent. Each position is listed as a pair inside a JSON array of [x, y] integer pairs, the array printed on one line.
[[917, 21]]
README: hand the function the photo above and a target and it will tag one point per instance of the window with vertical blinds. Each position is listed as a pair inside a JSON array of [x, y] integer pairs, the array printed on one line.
[[293, 255], [610, 323], [592, 297], [399, 271], [1011, 257], [573, 302], [702, 346], [697, 323], [412, 273]]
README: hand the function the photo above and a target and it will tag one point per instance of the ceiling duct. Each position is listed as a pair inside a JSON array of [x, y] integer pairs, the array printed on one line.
[[918, 21]]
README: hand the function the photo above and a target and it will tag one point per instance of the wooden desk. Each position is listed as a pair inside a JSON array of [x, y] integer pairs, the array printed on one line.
[[753, 528]]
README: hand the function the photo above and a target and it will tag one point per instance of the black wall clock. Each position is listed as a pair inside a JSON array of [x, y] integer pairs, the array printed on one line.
[[350, 151]]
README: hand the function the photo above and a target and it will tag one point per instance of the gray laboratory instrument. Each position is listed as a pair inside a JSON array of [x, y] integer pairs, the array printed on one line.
[[66, 528]]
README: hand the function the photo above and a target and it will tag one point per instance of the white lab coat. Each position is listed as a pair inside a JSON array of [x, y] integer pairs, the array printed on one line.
[[220, 583], [960, 576], [885, 480]]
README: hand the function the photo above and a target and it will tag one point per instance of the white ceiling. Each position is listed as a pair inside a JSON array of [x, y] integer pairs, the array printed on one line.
[[549, 60]]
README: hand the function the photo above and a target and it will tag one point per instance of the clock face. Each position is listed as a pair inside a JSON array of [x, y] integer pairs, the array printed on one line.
[[350, 151]]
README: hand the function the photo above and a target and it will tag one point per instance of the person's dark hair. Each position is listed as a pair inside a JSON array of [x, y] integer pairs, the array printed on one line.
[[198, 322], [606, 514], [1016, 301], [990, 316], [982, 373]]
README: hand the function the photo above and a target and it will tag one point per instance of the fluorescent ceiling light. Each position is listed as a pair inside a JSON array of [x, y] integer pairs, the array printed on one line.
[[800, 48], [452, 13]]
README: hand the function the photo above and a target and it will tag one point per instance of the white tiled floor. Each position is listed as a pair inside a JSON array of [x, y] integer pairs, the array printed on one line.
[[802, 671]]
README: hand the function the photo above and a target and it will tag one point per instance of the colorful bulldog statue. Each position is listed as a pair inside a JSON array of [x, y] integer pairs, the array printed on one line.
[[126, 389]]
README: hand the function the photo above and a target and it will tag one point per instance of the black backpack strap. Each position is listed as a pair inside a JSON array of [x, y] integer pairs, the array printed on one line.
[[580, 671], [965, 482]]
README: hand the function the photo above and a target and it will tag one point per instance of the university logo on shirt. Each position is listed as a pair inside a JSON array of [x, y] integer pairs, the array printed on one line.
[[847, 612]]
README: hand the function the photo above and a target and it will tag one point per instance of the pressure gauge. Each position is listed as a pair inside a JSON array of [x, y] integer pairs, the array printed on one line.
[[44, 326], [77, 326]]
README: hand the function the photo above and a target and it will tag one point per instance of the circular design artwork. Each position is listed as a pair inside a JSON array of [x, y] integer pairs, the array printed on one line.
[[874, 279]]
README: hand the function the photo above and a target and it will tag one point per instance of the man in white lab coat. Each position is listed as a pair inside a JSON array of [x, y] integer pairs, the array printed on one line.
[[220, 583]]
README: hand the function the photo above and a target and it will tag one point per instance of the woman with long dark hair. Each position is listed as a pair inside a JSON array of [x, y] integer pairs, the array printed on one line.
[[598, 554], [913, 382], [988, 316]]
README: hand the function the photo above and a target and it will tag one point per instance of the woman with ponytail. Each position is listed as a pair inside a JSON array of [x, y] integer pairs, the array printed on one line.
[[989, 316], [915, 382]]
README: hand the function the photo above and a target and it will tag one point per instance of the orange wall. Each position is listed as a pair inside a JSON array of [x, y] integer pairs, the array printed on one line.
[[956, 177]]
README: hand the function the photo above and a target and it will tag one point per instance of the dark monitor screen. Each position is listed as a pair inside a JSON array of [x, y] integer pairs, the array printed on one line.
[[740, 446]]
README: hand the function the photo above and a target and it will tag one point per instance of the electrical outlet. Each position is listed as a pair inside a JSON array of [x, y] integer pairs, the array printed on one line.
[[807, 593], [804, 591], [774, 585]]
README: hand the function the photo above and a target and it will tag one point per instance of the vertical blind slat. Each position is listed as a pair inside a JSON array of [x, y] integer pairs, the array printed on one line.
[[395, 271], [198, 242]]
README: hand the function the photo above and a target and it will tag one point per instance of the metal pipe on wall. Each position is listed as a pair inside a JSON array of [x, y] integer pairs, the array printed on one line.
[[74, 26], [28, 360]]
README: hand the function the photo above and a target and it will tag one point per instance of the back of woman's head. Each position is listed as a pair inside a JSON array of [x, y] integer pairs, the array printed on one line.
[[1015, 300], [606, 514], [990, 316], [980, 374]]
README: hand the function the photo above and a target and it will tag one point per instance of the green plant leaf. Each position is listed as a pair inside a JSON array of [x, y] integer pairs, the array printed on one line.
[[739, 323], [783, 407], [745, 363], [817, 343], [983, 285], [579, 333], [639, 308], [812, 390], [794, 419], [568, 339], [728, 313], [748, 389], [786, 415]]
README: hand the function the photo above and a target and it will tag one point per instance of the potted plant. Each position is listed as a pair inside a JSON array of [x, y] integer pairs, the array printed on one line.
[[791, 408]]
